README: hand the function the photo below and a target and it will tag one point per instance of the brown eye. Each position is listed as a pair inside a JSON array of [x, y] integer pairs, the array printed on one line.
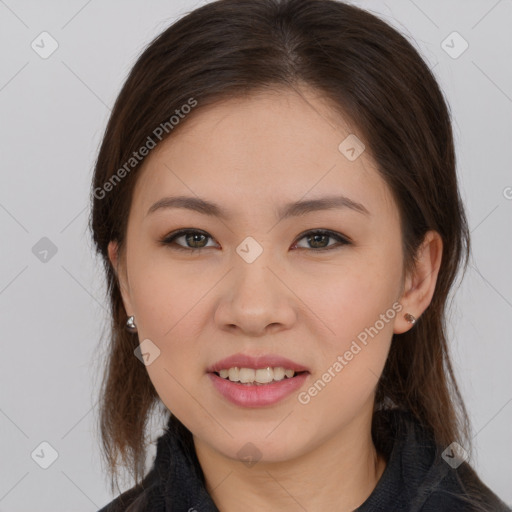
[[318, 240], [192, 240]]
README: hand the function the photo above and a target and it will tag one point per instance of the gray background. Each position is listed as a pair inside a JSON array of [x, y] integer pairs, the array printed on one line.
[[53, 112]]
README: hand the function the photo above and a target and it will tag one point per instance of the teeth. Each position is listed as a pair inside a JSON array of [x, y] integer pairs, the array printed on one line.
[[279, 373], [246, 375], [259, 376], [264, 375]]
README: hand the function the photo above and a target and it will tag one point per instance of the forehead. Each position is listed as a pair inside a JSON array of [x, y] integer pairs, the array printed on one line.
[[262, 150]]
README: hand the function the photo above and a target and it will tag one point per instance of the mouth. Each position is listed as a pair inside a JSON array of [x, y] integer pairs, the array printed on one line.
[[259, 376], [256, 381]]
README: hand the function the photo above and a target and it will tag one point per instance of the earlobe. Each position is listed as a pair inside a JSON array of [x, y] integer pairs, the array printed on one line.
[[420, 286]]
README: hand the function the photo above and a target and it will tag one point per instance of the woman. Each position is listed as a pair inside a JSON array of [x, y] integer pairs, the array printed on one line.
[[276, 204]]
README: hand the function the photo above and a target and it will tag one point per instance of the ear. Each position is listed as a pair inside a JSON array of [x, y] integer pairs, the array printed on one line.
[[420, 285], [122, 277]]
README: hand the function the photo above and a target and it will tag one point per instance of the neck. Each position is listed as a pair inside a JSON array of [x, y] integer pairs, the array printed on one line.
[[339, 473]]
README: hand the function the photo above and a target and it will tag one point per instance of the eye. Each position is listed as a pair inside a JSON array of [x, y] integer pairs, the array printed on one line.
[[196, 240], [319, 239]]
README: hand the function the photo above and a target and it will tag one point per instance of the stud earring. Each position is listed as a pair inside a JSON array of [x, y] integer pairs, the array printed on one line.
[[130, 324], [410, 318]]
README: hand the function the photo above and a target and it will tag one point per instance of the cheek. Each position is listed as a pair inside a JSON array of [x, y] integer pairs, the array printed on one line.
[[351, 297], [352, 360], [359, 308], [164, 294], [176, 372], [339, 392], [168, 311]]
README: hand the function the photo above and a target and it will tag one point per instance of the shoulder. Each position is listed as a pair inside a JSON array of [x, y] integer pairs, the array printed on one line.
[[136, 499], [461, 489], [418, 478]]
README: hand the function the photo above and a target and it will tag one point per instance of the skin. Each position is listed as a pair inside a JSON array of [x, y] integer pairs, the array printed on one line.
[[251, 156]]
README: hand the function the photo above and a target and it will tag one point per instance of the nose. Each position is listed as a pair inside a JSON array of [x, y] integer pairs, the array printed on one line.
[[255, 299]]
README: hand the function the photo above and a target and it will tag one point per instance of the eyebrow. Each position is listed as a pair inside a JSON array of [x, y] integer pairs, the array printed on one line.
[[289, 210]]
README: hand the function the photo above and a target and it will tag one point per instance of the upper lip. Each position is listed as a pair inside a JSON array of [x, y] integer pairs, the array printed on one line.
[[255, 362]]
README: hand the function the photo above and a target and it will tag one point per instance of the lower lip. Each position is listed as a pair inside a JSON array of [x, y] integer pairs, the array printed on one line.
[[257, 396]]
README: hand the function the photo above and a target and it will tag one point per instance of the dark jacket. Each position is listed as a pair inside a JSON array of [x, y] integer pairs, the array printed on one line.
[[416, 479]]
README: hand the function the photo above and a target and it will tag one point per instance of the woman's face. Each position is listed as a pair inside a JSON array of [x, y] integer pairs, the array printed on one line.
[[261, 283]]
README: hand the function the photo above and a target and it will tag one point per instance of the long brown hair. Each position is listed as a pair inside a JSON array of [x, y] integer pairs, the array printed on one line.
[[369, 72]]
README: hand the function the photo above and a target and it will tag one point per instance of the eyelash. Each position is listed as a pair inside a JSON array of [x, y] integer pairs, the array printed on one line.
[[168, 240]]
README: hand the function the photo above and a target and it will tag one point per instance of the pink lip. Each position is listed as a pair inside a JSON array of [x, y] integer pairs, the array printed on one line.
[[246, 361], [257, 396]]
